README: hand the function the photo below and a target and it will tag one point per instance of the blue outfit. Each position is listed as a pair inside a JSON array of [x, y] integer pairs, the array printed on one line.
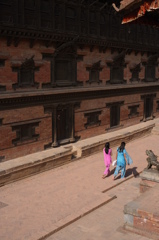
[[129, 159], [121, 163]]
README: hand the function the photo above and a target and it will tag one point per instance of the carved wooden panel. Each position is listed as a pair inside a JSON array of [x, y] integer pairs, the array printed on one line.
[[59, 16], [30, 13], [93, 23], [84, 19], [46, 14], [87, 18], [104, 23], [71, 19], [115, 27], [6, 12]]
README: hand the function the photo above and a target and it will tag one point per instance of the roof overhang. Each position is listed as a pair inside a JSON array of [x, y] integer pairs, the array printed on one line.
[[132, 10]]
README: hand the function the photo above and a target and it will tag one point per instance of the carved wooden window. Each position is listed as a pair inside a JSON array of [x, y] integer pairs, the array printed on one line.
[[94, 72], [84, 19], [103, 25], [135, 76], [71, 19], [25, 132], [6, 12], [135, 73], [114, 26], [150, 68], [26, 74], [117, 69], [150, 73], [117, 74], [133, 110], [94, 75], [46, 20], [59, 16], [65, 69], [93, 23], [30, 13], [92, 118]]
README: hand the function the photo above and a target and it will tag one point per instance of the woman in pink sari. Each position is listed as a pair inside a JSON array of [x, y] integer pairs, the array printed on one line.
[[107, 152]]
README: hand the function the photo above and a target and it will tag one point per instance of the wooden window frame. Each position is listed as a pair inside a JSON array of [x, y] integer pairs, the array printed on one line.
[[90, 115], [32, 136]]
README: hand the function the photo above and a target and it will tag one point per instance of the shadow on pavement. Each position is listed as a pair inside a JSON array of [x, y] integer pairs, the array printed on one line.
[[131, 171]]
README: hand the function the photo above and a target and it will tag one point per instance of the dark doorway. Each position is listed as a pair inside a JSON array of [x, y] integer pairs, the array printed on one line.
[[64, 123], [114, 115], [148, 107]]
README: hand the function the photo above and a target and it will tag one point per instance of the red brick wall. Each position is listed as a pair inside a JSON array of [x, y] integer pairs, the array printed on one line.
[[21, 115]]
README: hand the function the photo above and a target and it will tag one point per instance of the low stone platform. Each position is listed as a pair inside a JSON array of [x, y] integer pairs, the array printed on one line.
[[149, 178], [142, 215], [31, 164]]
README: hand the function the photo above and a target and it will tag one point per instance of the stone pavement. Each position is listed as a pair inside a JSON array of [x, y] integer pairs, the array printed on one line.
[[106, 222], [37, 207]]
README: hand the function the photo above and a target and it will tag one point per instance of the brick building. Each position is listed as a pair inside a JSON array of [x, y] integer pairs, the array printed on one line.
[[69, 70]]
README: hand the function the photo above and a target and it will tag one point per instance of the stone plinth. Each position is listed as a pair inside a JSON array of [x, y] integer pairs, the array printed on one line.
[[141, 216], [149, 178]]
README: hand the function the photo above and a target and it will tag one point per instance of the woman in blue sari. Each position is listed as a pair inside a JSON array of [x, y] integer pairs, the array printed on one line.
[[121, 161]]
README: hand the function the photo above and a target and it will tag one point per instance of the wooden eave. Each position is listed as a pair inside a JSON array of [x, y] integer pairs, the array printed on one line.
[[127, 6], [132, 10]]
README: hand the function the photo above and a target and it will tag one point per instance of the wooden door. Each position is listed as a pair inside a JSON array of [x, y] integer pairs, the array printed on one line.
[[114, 116], [148, 107], [63, 123]]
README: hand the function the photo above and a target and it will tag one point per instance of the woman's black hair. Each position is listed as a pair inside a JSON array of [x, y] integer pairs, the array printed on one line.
[[122, 146], [107, 147]]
